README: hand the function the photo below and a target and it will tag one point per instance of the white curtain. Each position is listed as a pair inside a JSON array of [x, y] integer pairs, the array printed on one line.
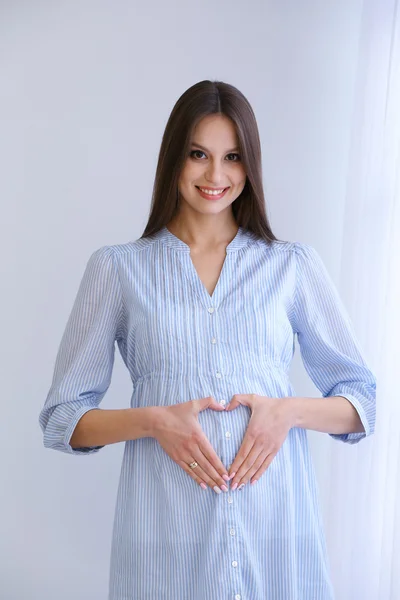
[[363, 506]]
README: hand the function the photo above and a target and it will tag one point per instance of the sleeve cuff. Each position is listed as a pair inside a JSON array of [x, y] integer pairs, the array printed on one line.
[[70, 430], [354, 438], [61, 426]]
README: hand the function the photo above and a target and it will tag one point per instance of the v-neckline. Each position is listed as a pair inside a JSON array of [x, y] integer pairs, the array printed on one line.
[[200, 282], [225, 276]]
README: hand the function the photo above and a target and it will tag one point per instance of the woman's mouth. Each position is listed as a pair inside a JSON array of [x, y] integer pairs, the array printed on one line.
[[212, 194]]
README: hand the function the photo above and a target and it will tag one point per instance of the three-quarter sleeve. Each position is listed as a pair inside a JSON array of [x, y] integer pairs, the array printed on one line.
[[329, 348], [85, 358]]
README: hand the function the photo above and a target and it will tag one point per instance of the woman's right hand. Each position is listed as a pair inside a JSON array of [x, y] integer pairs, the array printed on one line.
[[178, 431]]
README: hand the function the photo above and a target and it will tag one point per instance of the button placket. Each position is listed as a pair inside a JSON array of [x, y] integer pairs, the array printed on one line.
[[235, 542], [217, 372], [234, 553], [215, 356], [217, 366]]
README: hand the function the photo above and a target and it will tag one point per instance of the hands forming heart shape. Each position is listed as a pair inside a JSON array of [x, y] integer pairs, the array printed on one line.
[[178, 431]]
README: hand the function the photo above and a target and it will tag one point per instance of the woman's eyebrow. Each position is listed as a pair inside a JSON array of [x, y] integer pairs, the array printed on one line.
[[204, 148]]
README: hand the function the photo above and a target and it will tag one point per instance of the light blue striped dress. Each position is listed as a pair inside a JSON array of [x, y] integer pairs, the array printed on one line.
[[171, 539]]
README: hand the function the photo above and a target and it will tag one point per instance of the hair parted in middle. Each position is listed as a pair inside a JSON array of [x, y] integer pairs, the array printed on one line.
[[200, 100]]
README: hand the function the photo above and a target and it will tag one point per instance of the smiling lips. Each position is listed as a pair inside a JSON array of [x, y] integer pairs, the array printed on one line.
[[212, 193]]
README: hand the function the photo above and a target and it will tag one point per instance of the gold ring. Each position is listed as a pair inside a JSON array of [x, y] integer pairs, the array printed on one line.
[[193, 465]]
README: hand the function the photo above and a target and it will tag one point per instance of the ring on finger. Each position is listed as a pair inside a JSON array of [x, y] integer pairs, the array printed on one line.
[[193, 464]]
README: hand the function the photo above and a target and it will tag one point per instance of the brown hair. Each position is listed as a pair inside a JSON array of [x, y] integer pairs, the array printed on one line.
[[202, 99]]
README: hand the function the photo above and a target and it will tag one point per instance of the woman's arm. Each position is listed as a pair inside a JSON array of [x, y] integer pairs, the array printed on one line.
[[331, 354], [84, 363], [334, 414], [99, 427]]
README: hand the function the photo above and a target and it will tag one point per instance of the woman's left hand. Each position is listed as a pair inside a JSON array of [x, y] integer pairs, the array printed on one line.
[[268, 427]]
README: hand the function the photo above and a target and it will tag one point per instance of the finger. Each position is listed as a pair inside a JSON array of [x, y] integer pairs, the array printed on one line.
[[258, 462], [208, 468], [264, 466], [191, 472], [207, 402], [244, 451], [247, 464], [199, 475], [212, 457], [234, 403], [244, 399]]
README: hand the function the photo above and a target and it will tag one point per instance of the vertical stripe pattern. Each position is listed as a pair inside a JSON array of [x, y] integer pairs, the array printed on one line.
[[171, 539]]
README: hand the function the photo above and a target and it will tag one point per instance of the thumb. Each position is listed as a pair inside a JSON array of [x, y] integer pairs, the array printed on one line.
[[209, 402], [236, 400]]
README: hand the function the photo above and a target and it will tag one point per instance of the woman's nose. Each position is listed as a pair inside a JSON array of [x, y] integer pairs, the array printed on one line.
[[215, 174]]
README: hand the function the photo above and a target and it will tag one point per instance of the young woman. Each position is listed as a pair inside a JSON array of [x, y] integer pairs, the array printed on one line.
[[217, 497]]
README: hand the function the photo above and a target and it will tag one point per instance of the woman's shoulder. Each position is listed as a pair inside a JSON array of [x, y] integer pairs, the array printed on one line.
[[130, 247], [293, 247], [276, 245]]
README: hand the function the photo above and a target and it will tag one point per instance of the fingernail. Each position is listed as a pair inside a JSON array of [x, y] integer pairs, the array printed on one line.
[[203, 485], [225, 477], [232, 476], [224, 488], [234, 486], [216, 489], [241, 486], [254, 481]]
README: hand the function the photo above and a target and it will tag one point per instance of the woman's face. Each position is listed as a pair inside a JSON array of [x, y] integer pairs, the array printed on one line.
[[213, 162]]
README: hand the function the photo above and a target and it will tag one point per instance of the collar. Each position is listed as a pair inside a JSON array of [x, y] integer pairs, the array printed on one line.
[[165, 236]]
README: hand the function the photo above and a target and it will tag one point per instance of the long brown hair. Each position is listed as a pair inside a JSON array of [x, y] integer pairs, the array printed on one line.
[[202, 99]]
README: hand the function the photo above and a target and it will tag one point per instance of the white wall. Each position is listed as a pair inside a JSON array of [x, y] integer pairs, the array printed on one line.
[[85, 91]]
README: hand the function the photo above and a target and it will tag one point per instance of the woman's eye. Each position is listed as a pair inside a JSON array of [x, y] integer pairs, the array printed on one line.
[[196, 152]]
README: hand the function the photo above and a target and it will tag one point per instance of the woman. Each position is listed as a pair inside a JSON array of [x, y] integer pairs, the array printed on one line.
[[205, 307]]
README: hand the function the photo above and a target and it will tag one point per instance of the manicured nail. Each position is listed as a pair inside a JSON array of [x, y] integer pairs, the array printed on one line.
[[241, 486], [224, 488], [234, 486], [225, 477], [232, 476], [216, 489], [254, 481], [203, 486]]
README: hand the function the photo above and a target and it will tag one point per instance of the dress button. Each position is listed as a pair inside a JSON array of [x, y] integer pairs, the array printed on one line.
[[232, 532], [211, 309], [213, 341], [222, 402], [234, 563], [230, 500], [228, 434], [217, 374], [238, 597]]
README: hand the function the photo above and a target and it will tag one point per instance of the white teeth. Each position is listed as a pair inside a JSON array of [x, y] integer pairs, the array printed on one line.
[[213, 192]]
